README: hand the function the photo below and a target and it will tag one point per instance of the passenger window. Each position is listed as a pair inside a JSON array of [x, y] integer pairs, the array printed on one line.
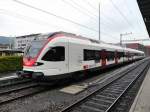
[[110, 55], [97, 55], [55, 54], [91, 55], [88, 54]]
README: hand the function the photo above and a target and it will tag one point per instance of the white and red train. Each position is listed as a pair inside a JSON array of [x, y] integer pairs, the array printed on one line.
[[61, 54]]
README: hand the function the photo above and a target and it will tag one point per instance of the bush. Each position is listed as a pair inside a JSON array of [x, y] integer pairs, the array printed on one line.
[[10, 63]]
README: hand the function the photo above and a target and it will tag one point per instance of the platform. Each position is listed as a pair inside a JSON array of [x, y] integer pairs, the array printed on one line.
[[142, 100], [7, 76]]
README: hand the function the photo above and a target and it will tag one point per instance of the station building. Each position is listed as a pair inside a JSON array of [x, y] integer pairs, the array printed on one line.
[[10, 52], [4, 46], [22, 41], [137, 46], [147, 50]]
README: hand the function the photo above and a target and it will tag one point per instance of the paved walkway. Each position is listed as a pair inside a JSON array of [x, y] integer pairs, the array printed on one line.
[[7, 74], [142, 100]]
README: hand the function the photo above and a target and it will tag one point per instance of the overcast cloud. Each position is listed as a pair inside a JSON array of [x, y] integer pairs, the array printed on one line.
[[17, 19]]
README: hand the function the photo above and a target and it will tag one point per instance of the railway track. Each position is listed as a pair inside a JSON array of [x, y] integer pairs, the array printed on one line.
[[13, 82], [16, 87], [105, 98], [125, 102], [14, 92]]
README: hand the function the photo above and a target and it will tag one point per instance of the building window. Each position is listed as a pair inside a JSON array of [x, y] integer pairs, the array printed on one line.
[[55, 54]]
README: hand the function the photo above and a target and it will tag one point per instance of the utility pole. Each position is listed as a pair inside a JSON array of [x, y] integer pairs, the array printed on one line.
[[99, 23], [123, 35], [120, 39]]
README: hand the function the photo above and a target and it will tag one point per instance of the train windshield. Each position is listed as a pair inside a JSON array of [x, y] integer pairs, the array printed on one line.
[[33, 49]]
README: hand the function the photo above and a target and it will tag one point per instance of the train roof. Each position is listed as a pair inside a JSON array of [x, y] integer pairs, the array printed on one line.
[[49, 35]]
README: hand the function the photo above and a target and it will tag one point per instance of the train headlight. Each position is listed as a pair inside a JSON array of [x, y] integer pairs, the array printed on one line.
[[38, 63]]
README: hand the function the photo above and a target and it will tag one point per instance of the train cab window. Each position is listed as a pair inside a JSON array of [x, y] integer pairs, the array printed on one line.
[[55, 54]]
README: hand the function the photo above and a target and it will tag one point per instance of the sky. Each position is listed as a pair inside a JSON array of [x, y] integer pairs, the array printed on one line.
[[76, 16]]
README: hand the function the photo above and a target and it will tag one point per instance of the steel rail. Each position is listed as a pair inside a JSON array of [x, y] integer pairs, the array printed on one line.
[[13, 89], [77, 103], [131, 83], [18, 95]]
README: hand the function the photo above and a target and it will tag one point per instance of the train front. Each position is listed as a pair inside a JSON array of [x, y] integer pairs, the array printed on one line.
[[32, 66]]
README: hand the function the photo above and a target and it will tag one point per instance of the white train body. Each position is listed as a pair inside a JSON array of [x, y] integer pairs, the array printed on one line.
[[62, 53]]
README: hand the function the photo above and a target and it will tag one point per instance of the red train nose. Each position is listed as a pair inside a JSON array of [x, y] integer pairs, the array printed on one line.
[[28, 61]]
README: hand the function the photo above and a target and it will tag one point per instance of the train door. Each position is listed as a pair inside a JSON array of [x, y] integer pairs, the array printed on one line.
[[103, 57], [116, 57], [75, 57], [56, 58], [132, 54], [123, 56], [128, 55]]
